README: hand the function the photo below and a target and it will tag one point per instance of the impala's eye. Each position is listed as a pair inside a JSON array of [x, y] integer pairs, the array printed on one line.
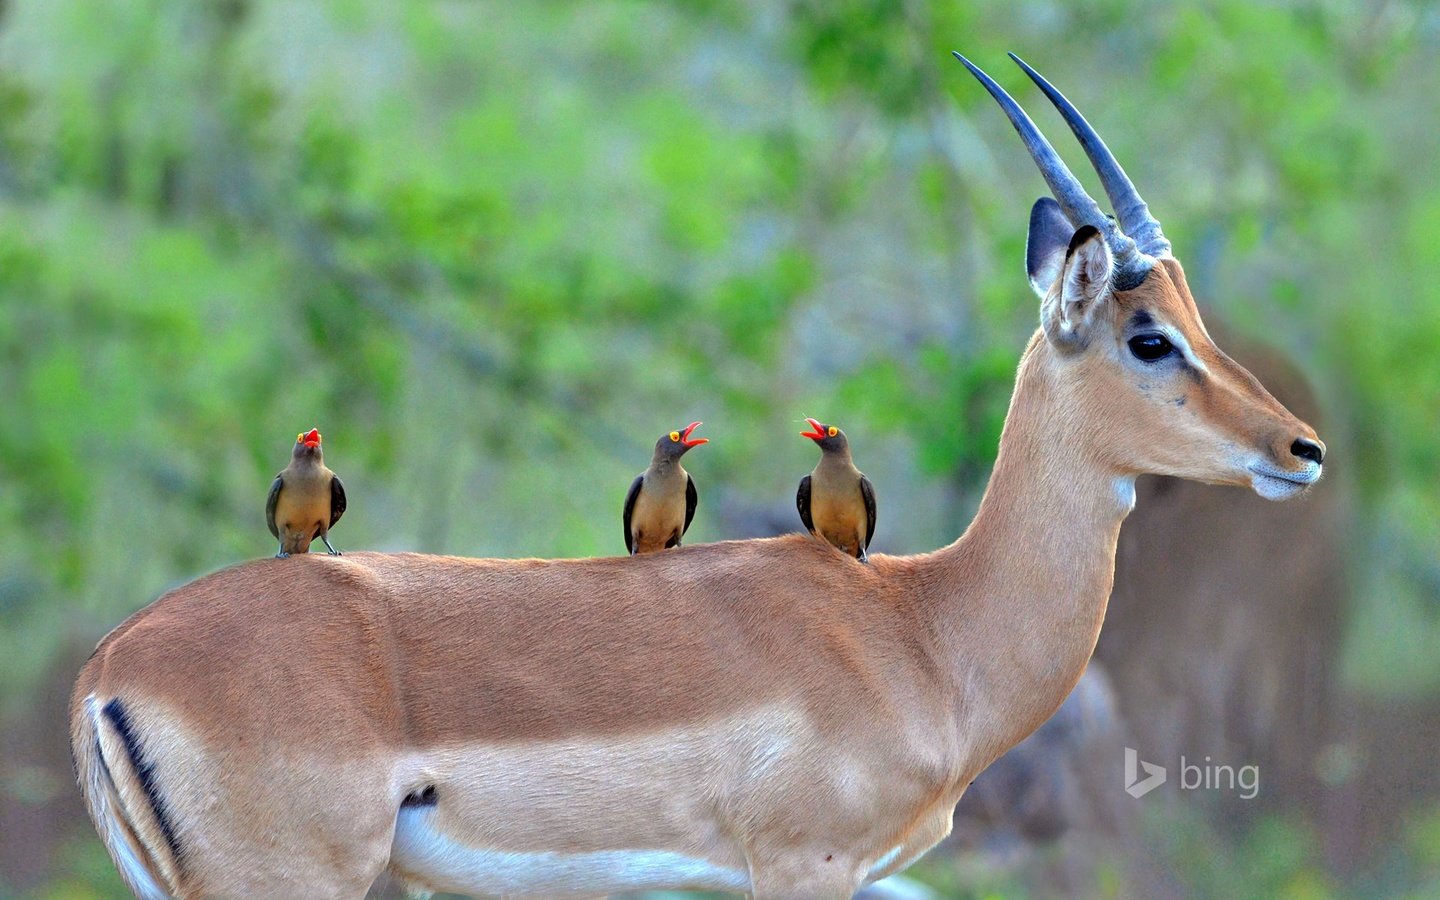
[[1151, 347]]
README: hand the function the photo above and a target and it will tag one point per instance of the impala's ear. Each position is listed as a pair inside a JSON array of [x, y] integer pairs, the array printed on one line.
[[1069, 307], [1045, 245]]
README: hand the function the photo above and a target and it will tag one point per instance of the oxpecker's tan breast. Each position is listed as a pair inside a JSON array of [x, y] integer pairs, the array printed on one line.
[[659, 515], [303, 508], [837, 507]]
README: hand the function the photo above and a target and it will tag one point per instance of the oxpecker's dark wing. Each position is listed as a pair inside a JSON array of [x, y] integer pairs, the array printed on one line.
[[337, 500], [270, 502], [867, 490], [802, 503], [691, 498], [630, 508]]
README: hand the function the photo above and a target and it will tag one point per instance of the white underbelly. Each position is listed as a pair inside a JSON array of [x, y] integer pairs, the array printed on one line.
[[443, 863], [661, 810], [595, 815]]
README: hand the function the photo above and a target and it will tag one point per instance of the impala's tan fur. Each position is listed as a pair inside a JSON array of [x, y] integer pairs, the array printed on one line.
[[758, 705]]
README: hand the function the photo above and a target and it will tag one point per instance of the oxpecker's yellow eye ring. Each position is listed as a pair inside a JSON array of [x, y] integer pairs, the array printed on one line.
[[832, 431], [299, 437], [675, 436]]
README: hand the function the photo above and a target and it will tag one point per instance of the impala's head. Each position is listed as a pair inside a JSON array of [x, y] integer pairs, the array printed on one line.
[[307, 443], [829, 438], [676, 443], [1119, 323]]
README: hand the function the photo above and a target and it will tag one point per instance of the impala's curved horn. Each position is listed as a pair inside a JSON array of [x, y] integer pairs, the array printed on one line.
[[1131, 265], [1134, 214]]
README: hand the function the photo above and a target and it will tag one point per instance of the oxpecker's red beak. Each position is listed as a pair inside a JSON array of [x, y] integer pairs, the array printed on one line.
[[816, 432], [689, 441], [312, 438]]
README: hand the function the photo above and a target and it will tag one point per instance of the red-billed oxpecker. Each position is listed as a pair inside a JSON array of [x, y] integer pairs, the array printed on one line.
[[306, 499], [662, 498], [836, 500]]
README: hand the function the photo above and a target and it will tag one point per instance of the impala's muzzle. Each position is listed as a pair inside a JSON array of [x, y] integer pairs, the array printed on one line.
[[1275, 482]]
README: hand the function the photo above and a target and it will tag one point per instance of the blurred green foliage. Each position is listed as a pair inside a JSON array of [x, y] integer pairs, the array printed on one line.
[[493, 249]]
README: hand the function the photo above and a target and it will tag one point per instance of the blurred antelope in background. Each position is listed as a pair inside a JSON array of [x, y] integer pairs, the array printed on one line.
[[756, 716]]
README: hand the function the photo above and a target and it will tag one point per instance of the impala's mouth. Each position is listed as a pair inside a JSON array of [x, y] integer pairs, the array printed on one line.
[[1274, 483]]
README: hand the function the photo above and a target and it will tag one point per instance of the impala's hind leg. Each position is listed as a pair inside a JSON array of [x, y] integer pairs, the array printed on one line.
[[333, 847], [276, 824], [302, 829]]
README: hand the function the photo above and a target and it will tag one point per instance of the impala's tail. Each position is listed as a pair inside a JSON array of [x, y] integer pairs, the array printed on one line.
[[123, 799]]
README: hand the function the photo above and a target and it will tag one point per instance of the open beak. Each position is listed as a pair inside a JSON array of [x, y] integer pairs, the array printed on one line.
[[689, 441], [313, 438], [816, 432]]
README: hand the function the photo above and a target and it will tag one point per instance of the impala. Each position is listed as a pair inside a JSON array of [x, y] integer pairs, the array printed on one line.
[[766, 716]]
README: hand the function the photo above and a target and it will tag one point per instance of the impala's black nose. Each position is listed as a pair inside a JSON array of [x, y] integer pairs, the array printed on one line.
[[1308, 449]]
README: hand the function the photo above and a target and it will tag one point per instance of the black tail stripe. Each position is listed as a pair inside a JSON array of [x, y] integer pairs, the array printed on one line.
[[425, 797], [115, 712]]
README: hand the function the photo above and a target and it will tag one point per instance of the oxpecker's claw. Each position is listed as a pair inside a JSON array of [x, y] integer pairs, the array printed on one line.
[[282, 555], [333, 551]]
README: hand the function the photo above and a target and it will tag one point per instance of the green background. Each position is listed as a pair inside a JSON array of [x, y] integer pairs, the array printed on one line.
[[493, 250]]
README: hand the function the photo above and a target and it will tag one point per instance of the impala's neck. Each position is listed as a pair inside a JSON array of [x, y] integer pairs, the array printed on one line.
[[1018, 600]]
